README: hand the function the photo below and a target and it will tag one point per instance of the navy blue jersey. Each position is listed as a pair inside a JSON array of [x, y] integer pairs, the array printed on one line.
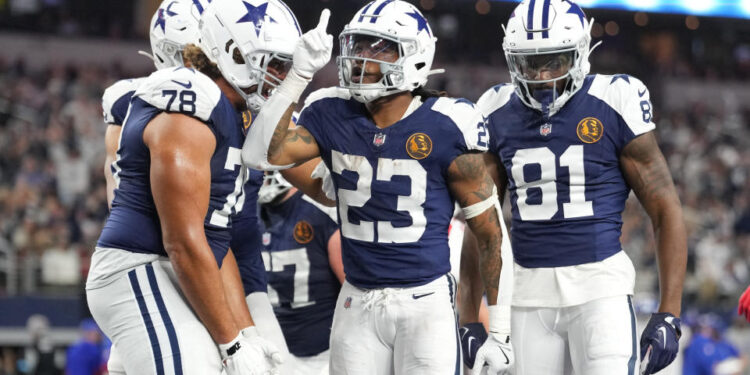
[[133, 223], [302, 287], [116, 100], [394, 205], [567, 189]]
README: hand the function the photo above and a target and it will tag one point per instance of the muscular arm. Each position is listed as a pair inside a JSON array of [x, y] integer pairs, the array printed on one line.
[[235, 291], [312, 187], [647, 173], [111, 139], [291, 145], [469, 183], [181, 149]]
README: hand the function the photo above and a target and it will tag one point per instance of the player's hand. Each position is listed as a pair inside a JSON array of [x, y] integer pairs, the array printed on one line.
[[241, 357], [269, 349], [659, 342], [744, 308], [497, 353], [473, 335], [313, 49]]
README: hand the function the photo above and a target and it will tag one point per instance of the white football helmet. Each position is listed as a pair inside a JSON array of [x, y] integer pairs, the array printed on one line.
[[247, 37], [173, 26], [547, 35], [395, 29], [274, 185]]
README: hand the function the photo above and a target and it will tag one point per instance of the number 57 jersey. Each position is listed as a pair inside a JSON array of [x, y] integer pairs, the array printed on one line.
[[567, 189], [394, 203]]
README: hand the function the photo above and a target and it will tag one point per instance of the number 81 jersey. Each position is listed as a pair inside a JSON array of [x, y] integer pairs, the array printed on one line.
[[394, 204], [133, 223], [567, 189]]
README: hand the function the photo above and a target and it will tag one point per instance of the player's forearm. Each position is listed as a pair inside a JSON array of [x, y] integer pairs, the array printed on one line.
[[486, 228], [235, 291], [200, 280], [671, 236], [470, 284], [275, 148]]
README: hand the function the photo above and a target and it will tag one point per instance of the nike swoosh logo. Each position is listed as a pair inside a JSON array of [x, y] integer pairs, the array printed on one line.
[[418, 296], [663, 331], [507, 360], [641, 93], [185, 85]]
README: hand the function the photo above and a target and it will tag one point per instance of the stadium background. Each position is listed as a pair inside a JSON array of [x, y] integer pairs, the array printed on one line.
[[57, 57]]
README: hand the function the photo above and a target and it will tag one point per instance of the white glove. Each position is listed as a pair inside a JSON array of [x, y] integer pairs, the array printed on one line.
[[243, 357], [322, 172], [497, 353], [313, 49]]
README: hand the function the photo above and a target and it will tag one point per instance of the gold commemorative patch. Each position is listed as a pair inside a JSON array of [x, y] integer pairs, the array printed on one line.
[[419, 146], [590, 130], [303, 232]]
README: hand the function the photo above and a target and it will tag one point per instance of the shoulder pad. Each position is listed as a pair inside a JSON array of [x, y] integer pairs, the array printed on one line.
[[328, 92], [627, 96], [116, 99], [181, 90], [495, 98], [330, 211], [467, 118]]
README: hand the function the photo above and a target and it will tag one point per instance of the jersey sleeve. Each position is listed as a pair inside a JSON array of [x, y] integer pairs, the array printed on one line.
[[492, 100], [313, 114], [469, 121], [116, 99], [181, 90], [630, 98]]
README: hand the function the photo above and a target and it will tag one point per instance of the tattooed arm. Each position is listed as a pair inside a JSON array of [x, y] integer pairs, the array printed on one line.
[[291, 145], [647, 173], [469, 184]]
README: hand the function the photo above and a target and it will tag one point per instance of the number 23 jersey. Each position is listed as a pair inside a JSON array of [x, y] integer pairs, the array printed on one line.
[[567, 189], [394, 204]]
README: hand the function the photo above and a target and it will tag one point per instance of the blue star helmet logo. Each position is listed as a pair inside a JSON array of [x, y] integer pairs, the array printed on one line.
[[623, 77], [161, 20], [421, 22], [256, 15], [575, 9]]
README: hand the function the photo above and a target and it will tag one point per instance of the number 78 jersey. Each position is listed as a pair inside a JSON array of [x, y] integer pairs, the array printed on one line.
[[394, 204], [567, 189]]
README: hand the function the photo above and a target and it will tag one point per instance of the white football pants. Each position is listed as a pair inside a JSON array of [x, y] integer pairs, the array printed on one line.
[[152, 327], [396, 330], [597, 337], [313, 365]]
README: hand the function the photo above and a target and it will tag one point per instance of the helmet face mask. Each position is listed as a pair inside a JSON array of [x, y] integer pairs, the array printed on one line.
[[274, 187], [386, 48], [547, 45]]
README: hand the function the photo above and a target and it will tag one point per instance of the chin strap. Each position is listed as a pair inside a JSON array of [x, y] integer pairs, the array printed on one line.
[[144, 53]]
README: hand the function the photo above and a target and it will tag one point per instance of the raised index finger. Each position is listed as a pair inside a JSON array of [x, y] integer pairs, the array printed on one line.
[[323, 23]]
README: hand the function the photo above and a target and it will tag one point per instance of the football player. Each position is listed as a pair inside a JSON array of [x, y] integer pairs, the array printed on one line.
[[399, 158], [183, 122], [303, 258], [570, 147]]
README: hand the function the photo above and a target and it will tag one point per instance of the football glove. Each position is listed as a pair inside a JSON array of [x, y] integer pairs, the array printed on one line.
[[497, 353], [744, 307], [313, 49], [473, 335], [659, 342]]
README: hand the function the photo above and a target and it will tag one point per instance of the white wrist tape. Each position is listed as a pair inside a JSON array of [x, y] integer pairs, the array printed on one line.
[[255, 148], [477, 208], [499, 319]]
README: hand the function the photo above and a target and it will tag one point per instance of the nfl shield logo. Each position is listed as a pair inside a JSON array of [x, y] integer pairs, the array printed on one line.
[[379, 139], [266, 238], [545, 129], [348, 302]]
